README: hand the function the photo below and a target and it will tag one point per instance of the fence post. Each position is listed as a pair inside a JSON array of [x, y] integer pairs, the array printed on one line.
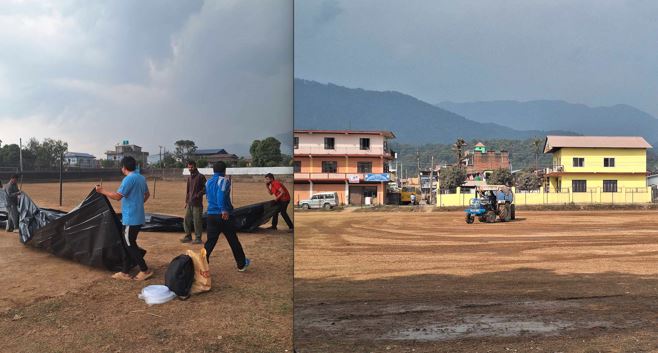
[[61, 167]]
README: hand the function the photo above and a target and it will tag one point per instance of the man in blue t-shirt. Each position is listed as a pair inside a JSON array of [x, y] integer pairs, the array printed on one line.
[[132, 193]]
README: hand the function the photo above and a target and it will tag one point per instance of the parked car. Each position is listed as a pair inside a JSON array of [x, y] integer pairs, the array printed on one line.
[[326, 200]]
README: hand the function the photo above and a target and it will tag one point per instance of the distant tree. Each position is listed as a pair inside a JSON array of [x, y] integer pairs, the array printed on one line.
[[452, 177], [202, 163], [184, 150], [108, 163], [242, 162], [266, 153], [528, 180], [286, 160], [9, 155], [500, 176], [47, 153]]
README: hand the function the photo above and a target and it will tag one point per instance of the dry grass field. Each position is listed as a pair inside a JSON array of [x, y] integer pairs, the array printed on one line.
[[427, 282], [48, 304]]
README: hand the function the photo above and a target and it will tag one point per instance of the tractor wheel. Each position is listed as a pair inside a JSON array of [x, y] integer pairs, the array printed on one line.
[[491, 217], [513, 213], [502, 213], [482, 219], [469, 219]]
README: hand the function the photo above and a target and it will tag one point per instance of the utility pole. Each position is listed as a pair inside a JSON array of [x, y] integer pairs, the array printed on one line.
[[20, 159]]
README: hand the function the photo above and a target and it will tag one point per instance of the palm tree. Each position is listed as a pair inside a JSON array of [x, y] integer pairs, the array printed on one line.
[[536, 142]]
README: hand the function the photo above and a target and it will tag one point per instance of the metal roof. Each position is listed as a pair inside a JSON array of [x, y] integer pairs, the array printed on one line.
[[211, 151], [78, 154], [555, 142]]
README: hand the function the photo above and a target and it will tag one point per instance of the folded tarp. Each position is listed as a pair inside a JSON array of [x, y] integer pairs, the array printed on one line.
[[90, 234]]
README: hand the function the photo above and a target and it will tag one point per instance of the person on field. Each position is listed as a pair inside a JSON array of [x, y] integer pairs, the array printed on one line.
[[12, 203], [220, 220], [196, 187], [282, 199], [132, 193]]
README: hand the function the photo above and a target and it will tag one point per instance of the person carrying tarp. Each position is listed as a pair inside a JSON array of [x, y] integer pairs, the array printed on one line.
[[282, 199], [220, 209], [196, 187], [132, 193], [12, 203]]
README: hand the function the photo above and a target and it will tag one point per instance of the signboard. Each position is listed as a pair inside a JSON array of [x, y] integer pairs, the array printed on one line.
[[353, 179], [378, 177]]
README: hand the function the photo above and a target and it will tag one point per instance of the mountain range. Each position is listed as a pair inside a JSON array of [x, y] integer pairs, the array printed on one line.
[[329, 106], [618, 119]]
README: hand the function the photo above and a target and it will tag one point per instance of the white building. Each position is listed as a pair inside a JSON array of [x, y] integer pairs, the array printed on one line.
[[79, 159]]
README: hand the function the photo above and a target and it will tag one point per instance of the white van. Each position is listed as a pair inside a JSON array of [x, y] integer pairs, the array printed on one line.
[[326, 200]]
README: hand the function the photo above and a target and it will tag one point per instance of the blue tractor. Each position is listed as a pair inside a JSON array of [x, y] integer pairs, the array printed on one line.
[[491, 202]]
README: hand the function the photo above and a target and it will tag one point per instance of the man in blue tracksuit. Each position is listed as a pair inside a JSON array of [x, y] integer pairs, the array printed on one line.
[[218, 192]]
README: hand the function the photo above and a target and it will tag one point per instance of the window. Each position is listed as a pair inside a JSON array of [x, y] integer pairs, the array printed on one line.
[[295, 142], [578, 162], [579, 185], [364, 167], [329, 143], [610, 186], [608, 162], [329, 166], [364, 143], [297, 167]]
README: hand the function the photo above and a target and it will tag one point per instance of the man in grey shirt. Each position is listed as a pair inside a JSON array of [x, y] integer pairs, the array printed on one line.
[[12, 203]]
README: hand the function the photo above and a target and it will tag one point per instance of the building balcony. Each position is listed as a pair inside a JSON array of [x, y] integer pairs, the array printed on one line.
[[350, 177], [343, 151], [554, 169]]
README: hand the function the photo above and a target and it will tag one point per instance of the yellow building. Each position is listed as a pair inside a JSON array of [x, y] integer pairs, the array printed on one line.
[[602, 167], [584, 170]]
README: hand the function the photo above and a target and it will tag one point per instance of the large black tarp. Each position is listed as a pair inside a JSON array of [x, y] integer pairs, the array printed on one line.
[[91, 233], [246, 218]]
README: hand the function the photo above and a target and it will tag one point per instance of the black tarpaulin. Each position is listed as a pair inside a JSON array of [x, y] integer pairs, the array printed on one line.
[[246, 219], [90, 234]]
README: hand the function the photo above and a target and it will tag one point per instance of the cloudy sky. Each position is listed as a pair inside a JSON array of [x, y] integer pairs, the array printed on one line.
[[596, 52], [151, 71]]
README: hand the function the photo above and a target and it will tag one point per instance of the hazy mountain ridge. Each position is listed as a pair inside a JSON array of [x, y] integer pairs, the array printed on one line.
[[329, 106], [619, 119]]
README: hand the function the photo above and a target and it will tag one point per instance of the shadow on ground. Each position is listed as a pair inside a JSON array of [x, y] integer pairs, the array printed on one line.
[[523, 310]]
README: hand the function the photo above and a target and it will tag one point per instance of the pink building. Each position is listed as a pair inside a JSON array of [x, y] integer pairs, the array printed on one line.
[[353, 164]]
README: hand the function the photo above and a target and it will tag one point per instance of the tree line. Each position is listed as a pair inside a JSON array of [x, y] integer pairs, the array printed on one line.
[[46, 154], [37, 154]]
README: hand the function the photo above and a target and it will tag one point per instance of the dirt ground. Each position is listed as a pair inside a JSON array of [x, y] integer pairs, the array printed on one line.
[[48, 304], [580, 281]]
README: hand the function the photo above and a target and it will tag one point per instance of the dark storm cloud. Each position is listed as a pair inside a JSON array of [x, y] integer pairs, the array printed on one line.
[[217, 72]]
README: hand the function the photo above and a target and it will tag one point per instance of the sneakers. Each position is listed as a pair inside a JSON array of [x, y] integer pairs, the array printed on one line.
[[186, 239], [197, 241], [247, 262], [143, 276], [122, 276]]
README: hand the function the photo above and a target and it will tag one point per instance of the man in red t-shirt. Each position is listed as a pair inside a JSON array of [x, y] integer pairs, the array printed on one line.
[[281, 197]]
